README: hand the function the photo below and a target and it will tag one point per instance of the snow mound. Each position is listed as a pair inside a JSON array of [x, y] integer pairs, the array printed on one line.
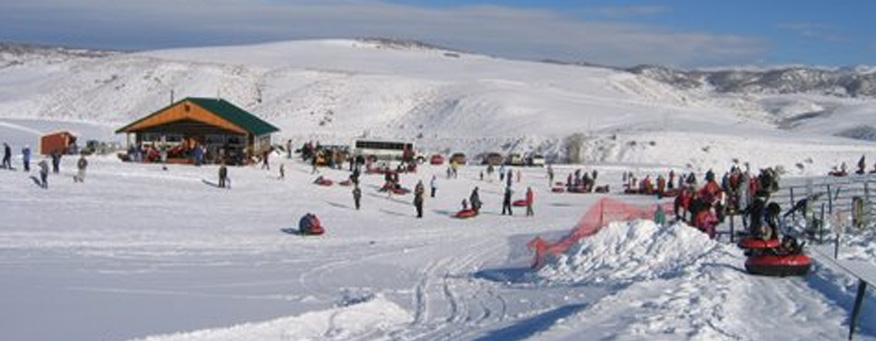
[[346, 322], [629, 251]]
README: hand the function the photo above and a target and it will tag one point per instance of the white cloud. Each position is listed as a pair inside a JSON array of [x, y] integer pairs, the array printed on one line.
[[630, 11], [497, 30], [817, 31]]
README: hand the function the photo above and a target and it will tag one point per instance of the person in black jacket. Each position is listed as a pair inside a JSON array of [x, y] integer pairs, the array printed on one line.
[[357, 195], [419, 191], [506, 201], [7, 156], [223, 175], [475, 200]]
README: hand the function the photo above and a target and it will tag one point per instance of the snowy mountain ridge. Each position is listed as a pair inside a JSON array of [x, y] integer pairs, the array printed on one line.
[[842, 82], [14, 54]]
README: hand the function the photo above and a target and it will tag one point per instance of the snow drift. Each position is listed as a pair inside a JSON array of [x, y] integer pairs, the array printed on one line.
[[629, 251], [343, 323]]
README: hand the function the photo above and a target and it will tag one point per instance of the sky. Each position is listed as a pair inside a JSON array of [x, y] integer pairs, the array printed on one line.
[[678, 33]]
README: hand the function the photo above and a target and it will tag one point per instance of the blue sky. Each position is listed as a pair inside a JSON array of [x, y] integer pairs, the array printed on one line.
[[684, 33]]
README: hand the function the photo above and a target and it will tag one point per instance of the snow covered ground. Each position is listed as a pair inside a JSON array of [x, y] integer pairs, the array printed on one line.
[[137, 252]]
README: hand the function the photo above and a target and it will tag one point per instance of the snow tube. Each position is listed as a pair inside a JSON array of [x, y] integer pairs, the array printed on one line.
[[323, 182], [519, 203], [577, 189], [778, 265], [310, 225], [466, 214], [401, 191], [558, 190], [345, 183], [751, 243]]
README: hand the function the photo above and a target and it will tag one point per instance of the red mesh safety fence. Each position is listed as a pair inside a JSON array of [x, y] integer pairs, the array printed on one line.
[[600, 214]]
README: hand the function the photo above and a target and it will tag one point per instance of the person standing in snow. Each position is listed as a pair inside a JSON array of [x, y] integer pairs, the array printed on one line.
[[434, 185], [550, 173], [419, 191], [223, 175], [530, 198], [7, 156], [289, 148], [80, 166], [282, 171], [506, 201], [475, 200], [56, 162], [25, 157], [357, 196], [265, 155], [44, 174]]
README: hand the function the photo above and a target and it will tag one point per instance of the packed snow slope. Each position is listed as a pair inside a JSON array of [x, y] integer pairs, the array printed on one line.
[[137, 252], [337, 90]]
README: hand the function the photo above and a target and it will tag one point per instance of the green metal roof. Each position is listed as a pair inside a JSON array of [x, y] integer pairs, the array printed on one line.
[[225, 110]]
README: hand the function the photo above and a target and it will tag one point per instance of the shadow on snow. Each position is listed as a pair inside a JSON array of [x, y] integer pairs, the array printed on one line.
[[529, 327]]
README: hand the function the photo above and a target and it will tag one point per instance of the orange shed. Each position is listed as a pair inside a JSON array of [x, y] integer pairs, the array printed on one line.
[[57, 141]]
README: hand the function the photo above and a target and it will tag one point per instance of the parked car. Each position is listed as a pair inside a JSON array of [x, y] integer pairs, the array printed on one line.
[[458, 158], [494, 159], [537, 160], [514, 159]]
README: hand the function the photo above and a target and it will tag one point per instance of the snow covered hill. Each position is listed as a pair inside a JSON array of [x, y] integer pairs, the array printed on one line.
[[336, 90]]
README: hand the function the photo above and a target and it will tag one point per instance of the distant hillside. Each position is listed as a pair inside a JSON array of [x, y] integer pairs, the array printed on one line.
[[791, 80], [14, 54], [443, 100]]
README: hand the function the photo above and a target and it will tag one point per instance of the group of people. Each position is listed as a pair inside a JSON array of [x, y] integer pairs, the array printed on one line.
[[579, 181], [842, 170], [739, 192], [54, 156]]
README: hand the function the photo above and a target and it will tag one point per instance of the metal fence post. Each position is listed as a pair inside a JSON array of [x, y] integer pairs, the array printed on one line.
[[821, 226], [732, 229], [829, 200], [856, 310]]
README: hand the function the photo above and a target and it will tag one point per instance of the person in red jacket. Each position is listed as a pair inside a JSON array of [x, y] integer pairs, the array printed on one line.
[[530, 198]]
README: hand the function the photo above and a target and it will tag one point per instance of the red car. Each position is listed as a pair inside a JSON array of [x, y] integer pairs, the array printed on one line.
[[436, 159]]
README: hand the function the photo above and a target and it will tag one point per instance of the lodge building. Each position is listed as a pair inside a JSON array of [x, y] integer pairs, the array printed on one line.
[[224, 132]]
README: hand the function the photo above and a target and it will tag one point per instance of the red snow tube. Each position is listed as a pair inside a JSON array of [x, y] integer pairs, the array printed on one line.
[[519, 203], [345, 183], [323, 182], [401, 190], [778, 265], [310, 225], [557, 190], [466, 214], [758, 244]]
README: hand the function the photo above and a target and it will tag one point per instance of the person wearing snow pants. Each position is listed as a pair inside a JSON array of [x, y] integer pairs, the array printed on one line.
[[357, 196], [506, 201]]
